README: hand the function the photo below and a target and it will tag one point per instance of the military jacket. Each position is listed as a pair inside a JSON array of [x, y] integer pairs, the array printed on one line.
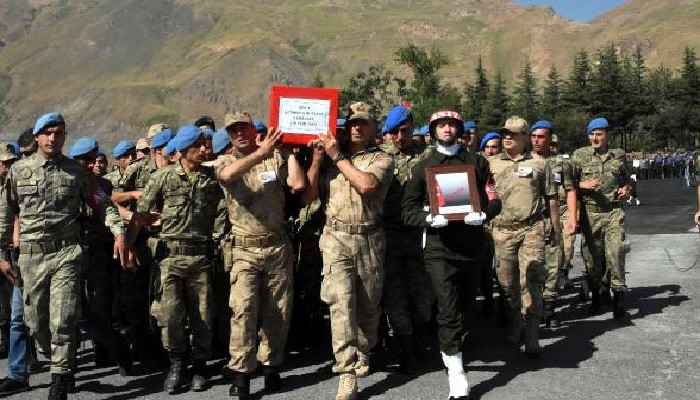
[[560, 167], [50, 196], [343, 202], [255, 201], [523, 184], [115, 178], [137, 175], [611, 168], [403, 163], [190, 202]]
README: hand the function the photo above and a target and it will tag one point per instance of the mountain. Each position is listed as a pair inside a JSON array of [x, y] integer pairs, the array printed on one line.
[[114, 67]]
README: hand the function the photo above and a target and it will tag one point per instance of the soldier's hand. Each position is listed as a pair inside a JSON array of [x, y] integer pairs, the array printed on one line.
[[120, 251], [6, 270], [318, 147], [590, 184], [271, 142], [133, 261], [330, 146], [623, 193], [572, 226]]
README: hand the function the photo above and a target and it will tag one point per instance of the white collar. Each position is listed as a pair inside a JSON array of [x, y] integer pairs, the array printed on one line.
[[448, 151]]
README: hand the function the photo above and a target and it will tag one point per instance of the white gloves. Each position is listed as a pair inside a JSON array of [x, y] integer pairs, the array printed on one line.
[[475, 219], [438, 221]]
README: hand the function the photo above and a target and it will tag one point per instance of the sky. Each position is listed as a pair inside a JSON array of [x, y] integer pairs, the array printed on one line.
[[578, 10]]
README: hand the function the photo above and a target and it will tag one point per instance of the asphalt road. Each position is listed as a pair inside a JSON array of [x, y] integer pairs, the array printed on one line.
[[658, 357]]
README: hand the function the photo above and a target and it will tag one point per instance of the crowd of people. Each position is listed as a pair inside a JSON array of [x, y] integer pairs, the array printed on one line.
[[664, 165], [204, 244]]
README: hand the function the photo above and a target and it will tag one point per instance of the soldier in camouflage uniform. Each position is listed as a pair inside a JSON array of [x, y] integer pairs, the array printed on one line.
[[524, 183], [47, 190], [7, 158], [570, 206], [189, 198], [541, 135], [125, 154], [407, 299], [254, 179], [353, 189], [603, 180]]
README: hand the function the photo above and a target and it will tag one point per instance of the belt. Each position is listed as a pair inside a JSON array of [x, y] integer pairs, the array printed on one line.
[[594, 207], [515, 225], [257, 241], [46, 247], [353, 229], [187, 247]]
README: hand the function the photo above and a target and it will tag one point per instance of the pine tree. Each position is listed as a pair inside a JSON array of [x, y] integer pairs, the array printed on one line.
[[476, 94], [497, 104], [525, 95], [551, 94], [606, 86], [575, 93]]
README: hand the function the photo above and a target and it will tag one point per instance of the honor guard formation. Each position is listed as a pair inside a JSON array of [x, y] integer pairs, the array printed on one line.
[[205, 244]]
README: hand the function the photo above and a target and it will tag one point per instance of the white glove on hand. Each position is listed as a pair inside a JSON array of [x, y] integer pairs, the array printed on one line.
[[438, 221], [475, 219]]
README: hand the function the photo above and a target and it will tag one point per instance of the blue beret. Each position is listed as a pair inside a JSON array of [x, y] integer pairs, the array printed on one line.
[[186, 137], [48, 120], [82, 146], [469, 125], [340, 123], [259, 125], [541, 124], [397, 116], [15, 148], [598, 123], [162, 138], [207, 132], [487, 137], [123, 147], [220, 141], [425, 129], [170, 148]]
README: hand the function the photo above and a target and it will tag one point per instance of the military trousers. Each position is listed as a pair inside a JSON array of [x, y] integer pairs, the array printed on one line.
[[353, 276], [186, 296], [261, 304], [603, 245], [520, 269], [52, 303], [408, 298], [554, 262]]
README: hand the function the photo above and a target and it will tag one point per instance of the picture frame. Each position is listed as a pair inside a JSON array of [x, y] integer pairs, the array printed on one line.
[[303, 113], [452, 191]]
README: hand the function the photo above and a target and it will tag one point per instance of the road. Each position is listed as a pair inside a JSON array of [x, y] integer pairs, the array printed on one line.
[[658, 357]]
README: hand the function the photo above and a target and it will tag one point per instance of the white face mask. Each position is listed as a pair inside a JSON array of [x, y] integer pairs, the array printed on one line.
[[449, 150]]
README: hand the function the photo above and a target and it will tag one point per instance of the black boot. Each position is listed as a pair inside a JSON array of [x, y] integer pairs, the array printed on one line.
[[102, 358], [125, 360], [173, 379], [551, 319], [605, 297], [273, 381], [59, 387], [241, 386], [594, 308], [619, 311], [200, 380], [407, 363]]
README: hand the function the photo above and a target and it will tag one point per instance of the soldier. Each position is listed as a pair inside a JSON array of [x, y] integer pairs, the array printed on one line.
[[541, 136], [353, 189], [603, 179], [568, 236], [469, 141], [254, 179], [7, 158], [524, 183], [50, 252], [490, 145], [453, 251], [101, 165], [125, 153], [188, 195], [143, 149], [407, 299]]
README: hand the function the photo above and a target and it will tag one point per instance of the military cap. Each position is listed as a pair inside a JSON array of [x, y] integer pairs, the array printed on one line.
[[142, 144], [162, 138], [123, 148], [186, 137], [598, 123], [7, 152], [154, 129], [360, 110], [446, 114], [425, 129], [207, 132], [237, 117], [47, 121], [220, 140], [340, 123], [469, 125], [259, 126], [82, 146], [541, 124], [205, 120], [397, 116], [516, 124], [487, 137]]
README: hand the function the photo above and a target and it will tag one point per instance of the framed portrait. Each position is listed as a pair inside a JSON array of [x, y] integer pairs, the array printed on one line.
[[452, 191], [303, 113]]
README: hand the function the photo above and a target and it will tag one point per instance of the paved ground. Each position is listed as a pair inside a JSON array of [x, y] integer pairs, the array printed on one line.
[[587, 358]]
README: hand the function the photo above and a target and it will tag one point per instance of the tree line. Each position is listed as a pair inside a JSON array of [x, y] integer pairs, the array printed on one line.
[[651, 109]]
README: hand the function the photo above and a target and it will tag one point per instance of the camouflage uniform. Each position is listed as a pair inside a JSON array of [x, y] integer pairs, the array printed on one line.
[[353, 248], [407, 299], [190, 203], [261, 275], [115, 178], [48, 195], [523, 185], [602, 214]]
